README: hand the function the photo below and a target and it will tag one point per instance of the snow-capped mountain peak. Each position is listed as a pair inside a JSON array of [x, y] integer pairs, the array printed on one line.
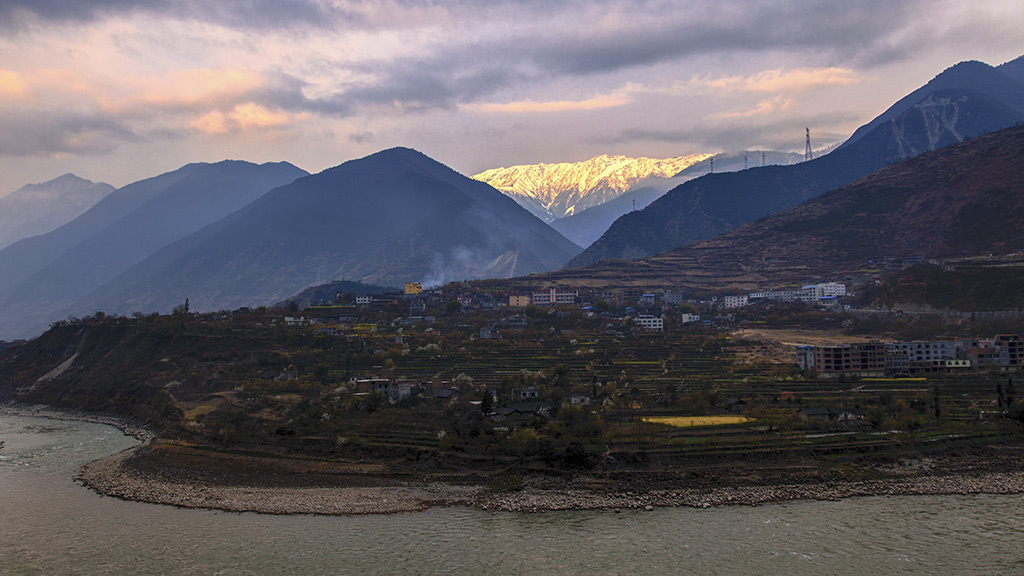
[[553, 191]]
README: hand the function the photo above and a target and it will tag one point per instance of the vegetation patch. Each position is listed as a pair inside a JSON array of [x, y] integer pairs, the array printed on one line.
[[696, 421]]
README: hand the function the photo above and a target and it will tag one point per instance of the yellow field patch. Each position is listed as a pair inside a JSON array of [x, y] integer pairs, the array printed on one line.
[[194, 413], [693, 421]]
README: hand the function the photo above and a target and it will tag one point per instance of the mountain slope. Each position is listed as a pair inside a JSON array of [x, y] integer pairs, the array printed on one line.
[[587, 226], [36, 209], [389, 218], [552, 191], [50, 272], [971, 99], [963, 200]]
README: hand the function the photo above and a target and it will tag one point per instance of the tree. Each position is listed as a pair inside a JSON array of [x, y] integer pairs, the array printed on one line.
[[487, 402]]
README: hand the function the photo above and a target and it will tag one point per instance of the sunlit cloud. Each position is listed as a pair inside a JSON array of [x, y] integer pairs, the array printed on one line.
[[243, 117], [12, 86], [595, 103], [202, 86], [763, 108], [797, 80]]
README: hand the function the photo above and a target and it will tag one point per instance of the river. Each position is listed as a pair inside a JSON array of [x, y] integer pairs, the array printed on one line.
[[51, 525]]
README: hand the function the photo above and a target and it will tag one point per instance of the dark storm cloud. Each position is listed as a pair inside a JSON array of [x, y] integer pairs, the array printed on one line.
[[40, 133]]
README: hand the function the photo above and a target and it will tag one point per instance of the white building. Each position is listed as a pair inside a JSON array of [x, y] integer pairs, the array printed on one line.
[[826, 290], [649, 322], [689, 318], [735, 301]]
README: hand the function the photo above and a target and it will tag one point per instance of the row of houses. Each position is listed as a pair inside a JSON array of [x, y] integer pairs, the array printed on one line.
[[808, 293], [873, 359]]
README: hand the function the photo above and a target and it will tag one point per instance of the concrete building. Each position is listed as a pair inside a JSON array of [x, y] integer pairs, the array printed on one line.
[[863, 359], [649, 322], [554, 297], [519, 300], [735, 301]]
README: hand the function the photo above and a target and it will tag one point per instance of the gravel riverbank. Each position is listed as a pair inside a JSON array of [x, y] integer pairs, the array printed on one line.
[[130, 475], [115, 476]]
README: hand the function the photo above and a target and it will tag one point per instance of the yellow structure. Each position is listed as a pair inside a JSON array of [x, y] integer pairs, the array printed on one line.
[[519, 300], [413, 288]]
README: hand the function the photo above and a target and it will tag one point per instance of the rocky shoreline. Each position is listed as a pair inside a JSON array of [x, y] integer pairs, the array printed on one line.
[[114, 476], [129, 476], [140, 432]]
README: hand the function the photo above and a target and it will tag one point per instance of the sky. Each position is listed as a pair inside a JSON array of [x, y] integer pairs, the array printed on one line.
[[120, 90]]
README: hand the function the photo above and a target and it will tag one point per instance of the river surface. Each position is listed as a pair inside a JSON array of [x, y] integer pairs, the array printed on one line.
[[51, 525]]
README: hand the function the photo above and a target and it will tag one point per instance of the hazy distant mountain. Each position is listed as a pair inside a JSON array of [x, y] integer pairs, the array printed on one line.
[[552, 191], [966, 100], [1013, 68], [36, 209], [41, 276], [393, 217]]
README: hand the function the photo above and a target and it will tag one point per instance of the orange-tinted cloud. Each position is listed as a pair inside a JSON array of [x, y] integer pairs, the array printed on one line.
[[595, 103], [12, 86], [199, 86], [796, 80], [763, 108], [242, 117]]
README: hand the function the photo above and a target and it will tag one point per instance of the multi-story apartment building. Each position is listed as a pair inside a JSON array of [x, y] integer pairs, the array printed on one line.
[[554, 297]]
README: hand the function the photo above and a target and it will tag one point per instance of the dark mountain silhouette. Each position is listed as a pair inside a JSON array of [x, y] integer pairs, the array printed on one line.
[[966, 100], [389, 218], [45, 274], [36, 209]]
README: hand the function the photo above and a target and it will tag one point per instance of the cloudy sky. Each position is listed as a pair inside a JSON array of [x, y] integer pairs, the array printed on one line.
[[118, 90]]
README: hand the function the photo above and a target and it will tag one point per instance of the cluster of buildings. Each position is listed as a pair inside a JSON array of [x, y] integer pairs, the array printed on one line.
[[546, 297], [875, 359], [818, 293]]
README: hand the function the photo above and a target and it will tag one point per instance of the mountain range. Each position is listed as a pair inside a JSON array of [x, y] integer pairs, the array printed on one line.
[[393, 217], [45, 275], [552, 191], [38, 208], [962, 200], [968, 99]]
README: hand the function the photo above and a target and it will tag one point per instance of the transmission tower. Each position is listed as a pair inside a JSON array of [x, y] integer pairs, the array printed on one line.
[[712, 164], [762, 159], [807, 148], [744, 160]]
